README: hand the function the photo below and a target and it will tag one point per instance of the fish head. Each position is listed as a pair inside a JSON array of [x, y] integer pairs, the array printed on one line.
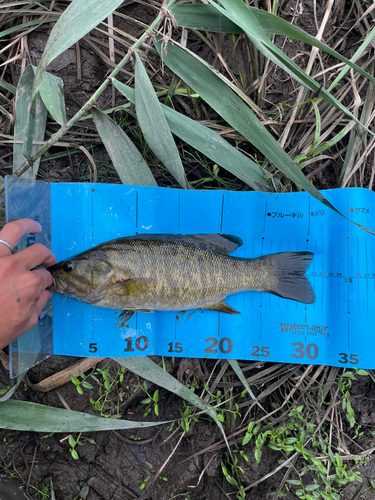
[[85, 277]]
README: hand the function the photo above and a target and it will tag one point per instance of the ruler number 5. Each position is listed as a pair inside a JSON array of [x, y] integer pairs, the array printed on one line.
[[353, 358], [93, 347]]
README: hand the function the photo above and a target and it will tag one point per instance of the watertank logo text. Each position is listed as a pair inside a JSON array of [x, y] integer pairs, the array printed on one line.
[[300, 329]]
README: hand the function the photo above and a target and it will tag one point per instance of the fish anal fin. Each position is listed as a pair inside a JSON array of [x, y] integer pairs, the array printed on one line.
[[221, 306]]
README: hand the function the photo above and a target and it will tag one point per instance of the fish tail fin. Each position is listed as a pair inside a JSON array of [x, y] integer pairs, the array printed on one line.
[[290, 281]]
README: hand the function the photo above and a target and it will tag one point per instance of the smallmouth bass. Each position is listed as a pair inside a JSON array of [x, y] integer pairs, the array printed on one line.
[[173, 272]]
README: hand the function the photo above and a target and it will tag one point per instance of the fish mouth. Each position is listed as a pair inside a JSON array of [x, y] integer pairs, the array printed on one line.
[[58, 284]]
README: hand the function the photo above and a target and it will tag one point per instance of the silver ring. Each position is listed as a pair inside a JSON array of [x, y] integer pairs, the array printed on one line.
[[7, 245]]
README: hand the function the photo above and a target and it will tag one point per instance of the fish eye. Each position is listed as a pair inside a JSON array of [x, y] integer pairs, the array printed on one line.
[[67, 267]]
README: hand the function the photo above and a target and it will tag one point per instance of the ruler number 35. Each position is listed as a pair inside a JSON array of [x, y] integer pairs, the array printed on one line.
[[348, 358]]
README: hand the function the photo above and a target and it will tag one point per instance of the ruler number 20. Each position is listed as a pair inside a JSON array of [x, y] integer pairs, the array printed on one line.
[[225, 345]]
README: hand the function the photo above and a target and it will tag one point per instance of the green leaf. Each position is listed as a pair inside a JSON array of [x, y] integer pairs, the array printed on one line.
[[208, 18], [209, 143], [127, 160], [75, 22], [87, 385], [72, 441], [30, 123], [74, 454], [25, 416], [246, 439], [312, 487], [74, 379], [216, 93], [52, 94], [338, 460], [154, 125]]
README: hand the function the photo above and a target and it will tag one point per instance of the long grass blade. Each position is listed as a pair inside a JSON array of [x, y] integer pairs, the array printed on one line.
[[207, 17], [25, 416], [30, 124], [204, 18], [190, 68], [238, 12], [127, 160], [366, 42], [237, 370], [154, 125], [209, 143], [75, 22], [216, 93]]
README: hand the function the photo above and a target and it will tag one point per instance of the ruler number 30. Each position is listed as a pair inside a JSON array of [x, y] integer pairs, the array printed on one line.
[[311, 350]]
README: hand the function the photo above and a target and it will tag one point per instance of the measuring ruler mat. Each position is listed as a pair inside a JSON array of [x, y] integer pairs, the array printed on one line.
[[338, 329]]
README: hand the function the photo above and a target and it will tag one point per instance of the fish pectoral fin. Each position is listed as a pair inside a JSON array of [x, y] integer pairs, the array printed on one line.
[[127, 314], [221, 306], [133, 287], [123, 318]]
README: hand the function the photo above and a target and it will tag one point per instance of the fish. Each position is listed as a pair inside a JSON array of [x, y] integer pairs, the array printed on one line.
[[174, 272]]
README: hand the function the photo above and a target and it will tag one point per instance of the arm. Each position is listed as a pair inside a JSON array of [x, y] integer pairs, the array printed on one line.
[[23, 291]]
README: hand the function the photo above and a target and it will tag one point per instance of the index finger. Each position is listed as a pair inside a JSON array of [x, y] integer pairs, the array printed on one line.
[[34, 256], [13, 232]]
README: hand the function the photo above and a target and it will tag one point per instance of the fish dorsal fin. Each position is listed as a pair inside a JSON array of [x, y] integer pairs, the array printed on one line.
[[224, 243]]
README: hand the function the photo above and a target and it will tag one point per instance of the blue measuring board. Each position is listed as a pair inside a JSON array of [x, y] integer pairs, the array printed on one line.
[[338, 329]]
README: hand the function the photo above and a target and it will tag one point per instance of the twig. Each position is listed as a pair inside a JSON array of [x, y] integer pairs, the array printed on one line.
[[31, 469]]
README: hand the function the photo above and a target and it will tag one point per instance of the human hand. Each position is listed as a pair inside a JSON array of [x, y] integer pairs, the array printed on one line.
[[23, 292]]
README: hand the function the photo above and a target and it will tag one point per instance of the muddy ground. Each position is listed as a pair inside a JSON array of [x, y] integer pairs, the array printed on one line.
[[111, 465]]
